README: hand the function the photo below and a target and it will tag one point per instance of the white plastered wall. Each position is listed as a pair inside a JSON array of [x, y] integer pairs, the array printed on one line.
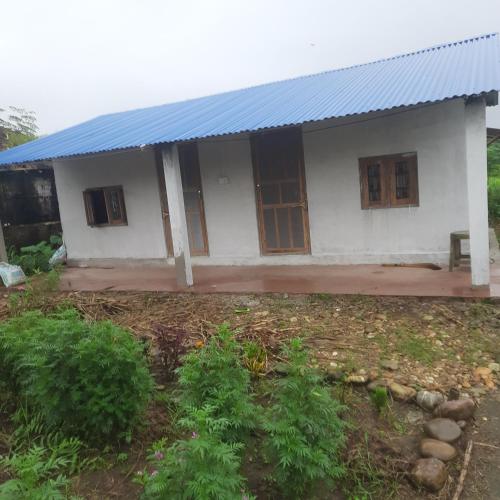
[[142, 238], [341, 232]]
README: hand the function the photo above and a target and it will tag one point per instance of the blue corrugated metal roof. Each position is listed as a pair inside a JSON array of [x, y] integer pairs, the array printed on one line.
[[464, 68]]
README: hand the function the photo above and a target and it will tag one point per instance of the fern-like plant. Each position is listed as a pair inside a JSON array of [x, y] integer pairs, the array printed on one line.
[[89, 379], [37, 473], [201, 467], [305, 434], [215, 376]]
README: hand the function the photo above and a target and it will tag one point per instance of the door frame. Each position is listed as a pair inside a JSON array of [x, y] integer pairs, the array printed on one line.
[[201, 201], [306, 250], [165, 215], [167, 230]]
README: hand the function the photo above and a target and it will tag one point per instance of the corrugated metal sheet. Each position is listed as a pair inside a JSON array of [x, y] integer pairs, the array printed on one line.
[[464, 68]]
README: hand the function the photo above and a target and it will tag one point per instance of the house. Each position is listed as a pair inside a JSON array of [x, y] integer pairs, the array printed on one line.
[[376, 163]]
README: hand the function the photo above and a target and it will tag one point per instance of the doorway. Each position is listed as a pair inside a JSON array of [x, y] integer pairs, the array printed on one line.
[[278, 161]]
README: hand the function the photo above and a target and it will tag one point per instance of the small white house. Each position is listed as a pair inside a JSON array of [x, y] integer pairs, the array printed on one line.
[[376, 163]]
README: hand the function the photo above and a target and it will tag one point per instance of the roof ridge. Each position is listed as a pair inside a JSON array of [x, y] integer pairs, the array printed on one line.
[[324, 72]]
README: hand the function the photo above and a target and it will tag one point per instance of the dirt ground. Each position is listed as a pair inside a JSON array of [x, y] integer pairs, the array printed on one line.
[[437, 343]]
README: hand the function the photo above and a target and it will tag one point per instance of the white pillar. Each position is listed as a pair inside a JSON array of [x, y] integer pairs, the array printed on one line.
[[477, 190], [177, 214], [3, 250]]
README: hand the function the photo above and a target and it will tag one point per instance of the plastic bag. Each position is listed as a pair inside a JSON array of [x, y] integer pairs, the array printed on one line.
[[58, 257], [11, 275]]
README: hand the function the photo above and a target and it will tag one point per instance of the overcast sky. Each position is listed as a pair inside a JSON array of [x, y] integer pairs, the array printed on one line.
[[71, 60]]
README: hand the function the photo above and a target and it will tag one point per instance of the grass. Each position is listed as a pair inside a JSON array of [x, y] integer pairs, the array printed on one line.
[[414, 346], [365, 478]]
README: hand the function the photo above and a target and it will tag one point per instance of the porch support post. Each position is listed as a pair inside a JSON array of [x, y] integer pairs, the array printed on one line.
[[477, 190], [3, 250], [177, 214]]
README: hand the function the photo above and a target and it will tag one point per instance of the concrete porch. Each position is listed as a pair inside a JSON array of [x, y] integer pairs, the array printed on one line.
[[353, 279]]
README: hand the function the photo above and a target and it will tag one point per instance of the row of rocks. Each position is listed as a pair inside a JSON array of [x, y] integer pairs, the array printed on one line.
[[436, 449]]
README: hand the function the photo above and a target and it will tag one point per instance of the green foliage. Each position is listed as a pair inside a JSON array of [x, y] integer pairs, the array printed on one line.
[[36, 295], [214, 376], [17, 126], [494, 197], [380, 398], [305, 432], [34, 259], [35, 474], [255, 358], [494, 159], [365, 478], [201, 467], [90, 379]]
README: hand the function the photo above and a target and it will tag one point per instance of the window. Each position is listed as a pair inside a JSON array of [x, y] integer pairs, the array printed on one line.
[[105, 206], [389, 181]]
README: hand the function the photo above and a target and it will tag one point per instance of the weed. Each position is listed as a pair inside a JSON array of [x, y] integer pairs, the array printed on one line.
[[36, 295], [34, 259], [171, 342], [364, 479], [255, 358], [305, 433], [416, 347], [201, 467], [380, 398], [90, 379], [214, 376]]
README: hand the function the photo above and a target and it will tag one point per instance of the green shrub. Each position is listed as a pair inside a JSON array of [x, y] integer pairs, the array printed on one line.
[[305, 432], [201, 467], [91, 379], [494, 198], [214, 376], [34, 259]]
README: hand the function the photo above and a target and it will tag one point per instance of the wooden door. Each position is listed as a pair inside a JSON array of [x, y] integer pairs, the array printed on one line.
[[193, 199], [164, 202], [278, 161]]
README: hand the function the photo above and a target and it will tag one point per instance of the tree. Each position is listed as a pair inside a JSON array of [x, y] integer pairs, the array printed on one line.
[[494, 159], [17, 126]]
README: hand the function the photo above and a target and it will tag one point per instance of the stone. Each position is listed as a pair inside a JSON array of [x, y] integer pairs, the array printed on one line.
[[377, 383], [414, 417], [482, 371], [432, 448], [389, 364], [427, 317], [494, 367], [459, 409], [356, 379], [402, 392], [462, 424], [428, 400], [443, 429], [429, 473]]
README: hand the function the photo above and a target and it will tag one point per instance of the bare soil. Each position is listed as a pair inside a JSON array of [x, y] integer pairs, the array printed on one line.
[[438, 344]]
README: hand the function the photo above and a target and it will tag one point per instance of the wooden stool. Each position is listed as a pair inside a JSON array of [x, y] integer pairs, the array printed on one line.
[[456, 248]]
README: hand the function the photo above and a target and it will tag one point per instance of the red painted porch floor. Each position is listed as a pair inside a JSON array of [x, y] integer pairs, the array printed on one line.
[[355, 279]]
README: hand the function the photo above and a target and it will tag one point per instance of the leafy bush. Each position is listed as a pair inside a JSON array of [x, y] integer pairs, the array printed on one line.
[[214, 376], [255, 358], [494, 197], [305, 432], [34, 259], [90, 379], [201, 467]]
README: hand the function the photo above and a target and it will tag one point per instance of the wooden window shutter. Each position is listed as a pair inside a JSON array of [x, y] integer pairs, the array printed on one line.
[[87, 199]]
